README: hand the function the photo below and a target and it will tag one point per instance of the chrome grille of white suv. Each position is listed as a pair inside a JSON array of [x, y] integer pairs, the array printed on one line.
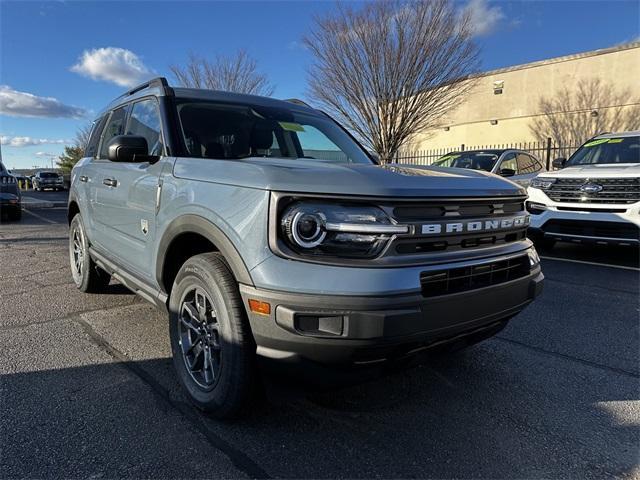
[[614, 190]]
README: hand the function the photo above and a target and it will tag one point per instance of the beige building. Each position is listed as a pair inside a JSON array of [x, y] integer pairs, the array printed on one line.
[[503, 103]]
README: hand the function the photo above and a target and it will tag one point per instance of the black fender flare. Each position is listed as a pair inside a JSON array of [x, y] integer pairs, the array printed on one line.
[[196, 224]]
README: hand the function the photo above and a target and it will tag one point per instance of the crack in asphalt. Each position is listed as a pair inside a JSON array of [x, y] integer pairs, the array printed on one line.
[[72, 316], [238, 459], [564, 356]]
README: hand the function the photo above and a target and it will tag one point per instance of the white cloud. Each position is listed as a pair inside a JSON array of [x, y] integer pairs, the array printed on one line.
[[484, 18], [23, 104], [111, 64], [46, 154], [10, 141]]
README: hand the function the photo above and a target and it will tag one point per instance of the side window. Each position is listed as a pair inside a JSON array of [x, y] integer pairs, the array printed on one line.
[[115, 127], [528, 164], [509, 162], [94, 139], [145, 122]]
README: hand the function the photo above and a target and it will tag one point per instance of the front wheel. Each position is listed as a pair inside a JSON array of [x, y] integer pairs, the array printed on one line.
[[87, 276], [213, 349]]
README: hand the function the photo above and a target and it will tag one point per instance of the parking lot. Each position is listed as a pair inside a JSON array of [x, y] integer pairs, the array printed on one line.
[[88, 388]]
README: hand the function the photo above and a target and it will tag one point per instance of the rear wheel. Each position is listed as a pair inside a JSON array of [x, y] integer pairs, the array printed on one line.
[[87, 276], [213, 349]]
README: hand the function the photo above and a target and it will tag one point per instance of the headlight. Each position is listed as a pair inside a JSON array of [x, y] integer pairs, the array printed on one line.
[[349, 231], [542, 182], [534, 259]]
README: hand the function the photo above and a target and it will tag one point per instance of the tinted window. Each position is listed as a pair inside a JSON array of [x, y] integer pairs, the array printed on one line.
[[239, 131], [527, 164], [607, 150], [115, 127], [509, 162], [473, 160], [94, 139], [145, 122]]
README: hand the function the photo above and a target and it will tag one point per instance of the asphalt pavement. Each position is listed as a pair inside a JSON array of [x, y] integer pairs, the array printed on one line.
[[87, 388]]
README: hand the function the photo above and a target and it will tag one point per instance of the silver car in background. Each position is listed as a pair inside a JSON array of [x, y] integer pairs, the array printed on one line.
[[518, 165]]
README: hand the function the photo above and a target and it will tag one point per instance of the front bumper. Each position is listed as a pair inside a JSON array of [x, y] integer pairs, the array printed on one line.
[[9, 201], [614, 224], [374, 329]]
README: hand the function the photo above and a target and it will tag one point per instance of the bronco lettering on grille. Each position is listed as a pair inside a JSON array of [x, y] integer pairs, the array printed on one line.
[[475, 225]]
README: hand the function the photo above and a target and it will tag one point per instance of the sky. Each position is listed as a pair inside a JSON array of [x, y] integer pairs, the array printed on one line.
[[61, 62]]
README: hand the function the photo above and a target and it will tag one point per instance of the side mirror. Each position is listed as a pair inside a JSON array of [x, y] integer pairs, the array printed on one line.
[[558, 163], [129, 148], [507, 172]]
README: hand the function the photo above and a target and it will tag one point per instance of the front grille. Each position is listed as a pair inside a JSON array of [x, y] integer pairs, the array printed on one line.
[[614, 190], [429, 212], [463, 279], [455, 210], [621, 230]]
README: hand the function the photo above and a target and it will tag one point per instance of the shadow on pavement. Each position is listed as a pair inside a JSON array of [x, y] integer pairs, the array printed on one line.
[[473, 415]]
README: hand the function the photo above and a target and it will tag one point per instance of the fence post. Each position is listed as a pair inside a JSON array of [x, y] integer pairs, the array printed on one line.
[[548, 153], [462, 148]]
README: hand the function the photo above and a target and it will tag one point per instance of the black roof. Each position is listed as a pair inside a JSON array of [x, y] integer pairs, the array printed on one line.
[[160, 87]]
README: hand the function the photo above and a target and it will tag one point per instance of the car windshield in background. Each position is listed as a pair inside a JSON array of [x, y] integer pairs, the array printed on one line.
[[607, 150], [48, 175], [475, 161], [224, 131]]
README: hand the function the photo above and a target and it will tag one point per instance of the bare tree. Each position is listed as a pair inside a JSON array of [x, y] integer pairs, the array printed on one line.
[[391, 69], [590, 107], [81, 139], [233, 74]]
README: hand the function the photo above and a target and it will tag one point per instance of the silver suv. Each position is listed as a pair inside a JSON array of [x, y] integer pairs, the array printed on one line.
[[268, 233]]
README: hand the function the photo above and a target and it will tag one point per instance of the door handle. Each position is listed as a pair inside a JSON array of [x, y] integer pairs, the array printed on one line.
[[110, 182], [84, 178]]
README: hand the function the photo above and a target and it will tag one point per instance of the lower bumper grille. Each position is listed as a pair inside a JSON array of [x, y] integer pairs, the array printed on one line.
[[456, 280]]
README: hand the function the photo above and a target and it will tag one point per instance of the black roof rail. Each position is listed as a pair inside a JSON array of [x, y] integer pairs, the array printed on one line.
[[154, 82], [297, 102]]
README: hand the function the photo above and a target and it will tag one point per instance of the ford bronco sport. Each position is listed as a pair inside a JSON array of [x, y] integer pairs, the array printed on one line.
[[594, 198], [267, 232]]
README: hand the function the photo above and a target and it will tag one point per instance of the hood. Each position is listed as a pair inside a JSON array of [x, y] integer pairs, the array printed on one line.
[[602, 170], [308, 176]]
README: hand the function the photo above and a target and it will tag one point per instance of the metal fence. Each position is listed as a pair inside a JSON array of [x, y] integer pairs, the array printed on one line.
[[546, 151]]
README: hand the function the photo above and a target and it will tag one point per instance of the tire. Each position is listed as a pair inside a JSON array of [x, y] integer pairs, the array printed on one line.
[[220, 377], [15, 214], [87, 276]]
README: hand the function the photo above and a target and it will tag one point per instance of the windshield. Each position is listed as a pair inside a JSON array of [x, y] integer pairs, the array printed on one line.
[[475, 160], [48, 175], [607, 150], [226, 131]]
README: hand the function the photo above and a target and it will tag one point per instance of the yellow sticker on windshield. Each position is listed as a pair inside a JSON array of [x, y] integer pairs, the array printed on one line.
[[616, 140], [596, 142], [292, 127]]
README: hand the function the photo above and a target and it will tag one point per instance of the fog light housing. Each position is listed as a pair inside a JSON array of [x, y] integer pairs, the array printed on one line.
[[319, 325]]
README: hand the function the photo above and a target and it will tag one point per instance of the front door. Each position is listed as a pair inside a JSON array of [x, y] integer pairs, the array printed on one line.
[[126, 193]]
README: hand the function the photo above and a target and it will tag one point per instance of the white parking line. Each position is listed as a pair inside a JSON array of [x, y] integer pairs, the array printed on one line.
[[39, 217], [622, 267]]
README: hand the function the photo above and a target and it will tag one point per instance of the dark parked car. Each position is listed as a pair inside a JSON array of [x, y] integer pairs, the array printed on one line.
[[10, 199], [52, 180]]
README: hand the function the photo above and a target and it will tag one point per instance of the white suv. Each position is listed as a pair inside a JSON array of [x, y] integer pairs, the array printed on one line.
[[595, 198]]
